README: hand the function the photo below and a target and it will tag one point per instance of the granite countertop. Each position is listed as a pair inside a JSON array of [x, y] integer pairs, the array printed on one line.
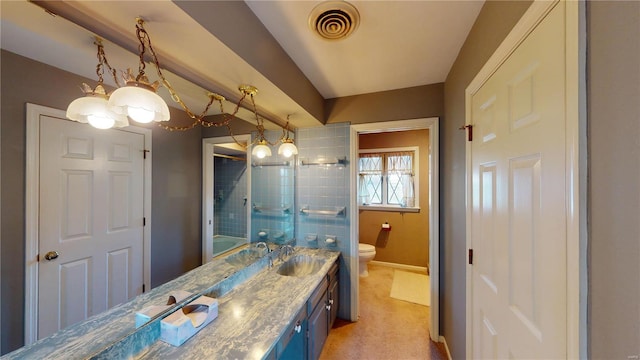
[[255, 307], [252, 317]]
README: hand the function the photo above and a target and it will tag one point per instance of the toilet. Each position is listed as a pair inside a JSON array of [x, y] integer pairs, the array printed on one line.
[[366, 253]]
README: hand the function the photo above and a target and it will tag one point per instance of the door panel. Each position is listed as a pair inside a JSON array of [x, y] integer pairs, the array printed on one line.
[[77, 204], [119, 193], [91, 213], [74, 294], [518, 218], [117, 276]]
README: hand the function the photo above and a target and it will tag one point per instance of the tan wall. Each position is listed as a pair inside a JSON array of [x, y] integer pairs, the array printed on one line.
[[408, 241], [613, 91], [176, 225], [495, 21], [401, 104]]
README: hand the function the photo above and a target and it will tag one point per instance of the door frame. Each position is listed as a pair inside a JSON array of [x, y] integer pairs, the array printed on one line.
[[32, 202], [434, 211], [208, 177], [576, 161]]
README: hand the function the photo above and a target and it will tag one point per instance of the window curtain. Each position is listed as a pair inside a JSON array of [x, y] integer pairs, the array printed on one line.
[[400, 167], [369, 178]]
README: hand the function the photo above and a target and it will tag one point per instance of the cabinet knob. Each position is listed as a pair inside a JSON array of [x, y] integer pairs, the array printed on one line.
[[328, 307]]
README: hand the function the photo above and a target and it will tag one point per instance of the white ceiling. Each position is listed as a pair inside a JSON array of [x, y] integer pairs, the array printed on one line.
[[398, 44]]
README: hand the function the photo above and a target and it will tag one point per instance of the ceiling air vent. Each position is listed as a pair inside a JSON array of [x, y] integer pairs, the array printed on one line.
[[334, 20]]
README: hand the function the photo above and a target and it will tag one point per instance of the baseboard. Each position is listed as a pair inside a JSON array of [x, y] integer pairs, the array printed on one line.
[[446, 347], [400, 266]]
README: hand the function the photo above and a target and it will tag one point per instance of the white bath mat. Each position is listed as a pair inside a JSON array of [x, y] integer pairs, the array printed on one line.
[[411, 287]]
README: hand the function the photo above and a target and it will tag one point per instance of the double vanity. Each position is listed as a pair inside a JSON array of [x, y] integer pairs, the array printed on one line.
[[270, 306]]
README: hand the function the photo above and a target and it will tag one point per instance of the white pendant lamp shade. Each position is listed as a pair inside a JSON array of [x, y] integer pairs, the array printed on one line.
[[287, 148], [94, 109], [261, 150], [139, 104]]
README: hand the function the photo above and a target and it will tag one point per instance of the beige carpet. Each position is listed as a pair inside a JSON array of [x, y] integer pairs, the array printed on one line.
[[411, 287], [387, 329]]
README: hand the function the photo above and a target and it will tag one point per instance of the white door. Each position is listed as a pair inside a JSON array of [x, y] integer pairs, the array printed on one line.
[[91, 215], [518, 221]]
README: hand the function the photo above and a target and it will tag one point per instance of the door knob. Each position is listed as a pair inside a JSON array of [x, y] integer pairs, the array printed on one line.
[[51, 255]]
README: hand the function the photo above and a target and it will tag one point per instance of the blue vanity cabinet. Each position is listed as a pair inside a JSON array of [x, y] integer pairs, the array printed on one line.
[[293, 344], [323, 306], [307, 334], [318, 320]]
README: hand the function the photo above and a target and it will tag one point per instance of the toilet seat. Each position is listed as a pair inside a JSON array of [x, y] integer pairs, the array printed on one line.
[[366, 249]]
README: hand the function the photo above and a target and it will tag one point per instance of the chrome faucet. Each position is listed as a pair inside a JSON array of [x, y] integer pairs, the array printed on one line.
[[285, 250], [263, 244]]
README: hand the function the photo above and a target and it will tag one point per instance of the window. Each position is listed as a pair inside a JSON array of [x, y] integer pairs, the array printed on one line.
[[388, 178]]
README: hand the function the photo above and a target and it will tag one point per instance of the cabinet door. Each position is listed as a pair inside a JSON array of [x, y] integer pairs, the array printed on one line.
[[293, 345], [334, 298], [318, 330]]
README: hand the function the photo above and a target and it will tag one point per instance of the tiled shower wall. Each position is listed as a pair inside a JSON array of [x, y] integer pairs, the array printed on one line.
[[272, 188], [326, 187], [230, 184], [323, 187]]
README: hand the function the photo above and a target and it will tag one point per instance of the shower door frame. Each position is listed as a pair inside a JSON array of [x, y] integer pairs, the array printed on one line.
[[208, 177]]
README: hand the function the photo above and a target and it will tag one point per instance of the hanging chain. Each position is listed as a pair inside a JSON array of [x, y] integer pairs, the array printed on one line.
[[144, 45], [102, 61], [145, 42]]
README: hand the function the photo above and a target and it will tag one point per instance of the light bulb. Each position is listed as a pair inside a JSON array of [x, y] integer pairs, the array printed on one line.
[[287, 149], [140, 101], [140, 115], [101, 121], [261, 150]]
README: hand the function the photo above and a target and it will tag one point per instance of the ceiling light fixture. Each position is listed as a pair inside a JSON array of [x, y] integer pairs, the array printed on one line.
[[93, 108], [139, 100], [287, 148]]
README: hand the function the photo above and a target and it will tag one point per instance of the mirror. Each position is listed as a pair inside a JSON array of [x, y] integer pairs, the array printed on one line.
[[230, 197], [246, 194], [272, 194]]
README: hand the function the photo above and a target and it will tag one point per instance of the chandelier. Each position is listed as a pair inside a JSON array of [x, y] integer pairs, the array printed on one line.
[[138, 100]]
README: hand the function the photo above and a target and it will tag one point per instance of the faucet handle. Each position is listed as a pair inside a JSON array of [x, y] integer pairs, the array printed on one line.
[[263, 244], [286, 250]]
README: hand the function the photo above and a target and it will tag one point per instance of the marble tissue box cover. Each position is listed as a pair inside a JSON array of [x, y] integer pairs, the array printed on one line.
[[178, 327], [143, 316]]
